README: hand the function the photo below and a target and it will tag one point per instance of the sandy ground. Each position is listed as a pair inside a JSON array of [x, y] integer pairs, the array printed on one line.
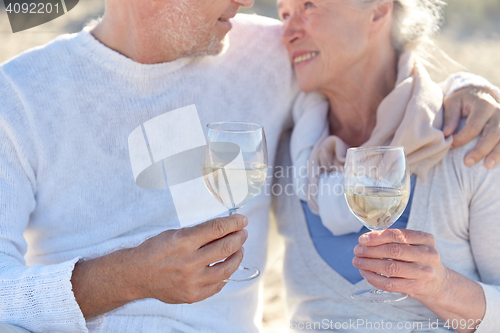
[[478, 55]]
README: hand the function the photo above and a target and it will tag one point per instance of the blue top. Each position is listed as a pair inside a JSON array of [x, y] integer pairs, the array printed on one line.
[[337, 250]]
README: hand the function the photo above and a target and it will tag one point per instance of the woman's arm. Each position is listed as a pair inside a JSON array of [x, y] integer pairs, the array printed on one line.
[[417, 270]]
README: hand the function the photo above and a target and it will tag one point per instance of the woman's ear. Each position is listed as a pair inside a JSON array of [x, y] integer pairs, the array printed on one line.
[[381, 14]]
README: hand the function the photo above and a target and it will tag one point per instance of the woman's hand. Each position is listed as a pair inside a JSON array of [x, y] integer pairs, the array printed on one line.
[[483, 115], [415, 269]]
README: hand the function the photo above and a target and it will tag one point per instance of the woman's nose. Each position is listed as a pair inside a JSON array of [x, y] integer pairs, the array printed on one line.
[[292, 30], [244, 3]]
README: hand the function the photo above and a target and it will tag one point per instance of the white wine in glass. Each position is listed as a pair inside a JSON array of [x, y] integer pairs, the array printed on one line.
[[217, 175], [235, 170], [377, 207], [377, 190]]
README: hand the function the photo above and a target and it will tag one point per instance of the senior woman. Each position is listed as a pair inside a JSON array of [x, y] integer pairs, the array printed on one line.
[[365, 57]]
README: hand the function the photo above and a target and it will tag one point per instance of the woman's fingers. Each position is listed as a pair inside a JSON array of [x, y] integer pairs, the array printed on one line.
[[395, 268], [397, 251], [391, 284], [415, 267], [401, 236]]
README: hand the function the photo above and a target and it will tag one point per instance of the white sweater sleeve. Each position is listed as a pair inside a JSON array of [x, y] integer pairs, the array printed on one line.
[[484, 228], [38, 298], [461, 80]]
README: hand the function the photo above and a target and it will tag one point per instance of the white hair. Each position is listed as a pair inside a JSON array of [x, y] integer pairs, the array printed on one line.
[[414, 23]]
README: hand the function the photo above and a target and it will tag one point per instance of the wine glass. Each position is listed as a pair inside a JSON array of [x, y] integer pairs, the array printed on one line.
[[235, 170], [377, 189]]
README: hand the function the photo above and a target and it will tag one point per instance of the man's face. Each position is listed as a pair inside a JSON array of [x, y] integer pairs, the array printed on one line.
[[195, 27]]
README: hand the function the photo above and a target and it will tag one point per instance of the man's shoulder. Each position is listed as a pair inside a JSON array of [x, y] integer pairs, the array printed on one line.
[[256, 20], [258, 37], [35, 60], [256, 26]]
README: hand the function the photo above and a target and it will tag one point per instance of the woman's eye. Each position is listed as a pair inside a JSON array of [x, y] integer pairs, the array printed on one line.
[[308, 4]]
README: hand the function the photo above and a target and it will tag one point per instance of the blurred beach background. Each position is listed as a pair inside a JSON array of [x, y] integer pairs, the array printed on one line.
[[470, 35]]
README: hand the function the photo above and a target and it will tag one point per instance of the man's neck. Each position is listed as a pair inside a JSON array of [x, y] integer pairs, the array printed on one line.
[[131, 41]]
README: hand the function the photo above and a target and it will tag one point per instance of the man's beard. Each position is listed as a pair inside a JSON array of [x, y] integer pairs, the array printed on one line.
[[187, 33], [212, 47]]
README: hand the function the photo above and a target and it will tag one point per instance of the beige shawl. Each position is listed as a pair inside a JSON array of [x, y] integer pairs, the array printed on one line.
[[410, 116]]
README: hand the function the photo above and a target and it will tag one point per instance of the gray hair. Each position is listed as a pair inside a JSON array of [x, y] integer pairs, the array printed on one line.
[[415, 22]]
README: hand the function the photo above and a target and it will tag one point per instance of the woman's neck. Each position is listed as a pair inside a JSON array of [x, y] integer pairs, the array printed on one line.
[[354, 98]]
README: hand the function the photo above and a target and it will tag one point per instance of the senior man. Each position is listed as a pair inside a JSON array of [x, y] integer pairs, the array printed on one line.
[[82, 247]]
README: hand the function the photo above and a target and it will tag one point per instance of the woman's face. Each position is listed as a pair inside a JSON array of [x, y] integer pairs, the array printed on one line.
[[325, 39]]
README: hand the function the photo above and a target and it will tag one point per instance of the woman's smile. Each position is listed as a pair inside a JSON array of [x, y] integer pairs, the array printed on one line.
[[303, 57]]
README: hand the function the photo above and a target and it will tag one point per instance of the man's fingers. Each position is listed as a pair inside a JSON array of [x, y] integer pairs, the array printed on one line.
[[452, 114], [493, 158], [223, 270], [473, 127], [223, 247], [480, 108], [213, 277], [489, 140], [490, 146], [402, 236], [215, 288], [209, 231]]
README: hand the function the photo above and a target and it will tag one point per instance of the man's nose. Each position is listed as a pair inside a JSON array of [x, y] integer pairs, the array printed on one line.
[[244, 3]]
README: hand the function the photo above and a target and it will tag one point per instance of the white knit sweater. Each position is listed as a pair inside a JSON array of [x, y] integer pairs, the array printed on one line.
[[67, 189]]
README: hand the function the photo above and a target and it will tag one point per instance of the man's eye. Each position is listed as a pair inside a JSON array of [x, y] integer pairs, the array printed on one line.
[[308, 5], [285, 16]]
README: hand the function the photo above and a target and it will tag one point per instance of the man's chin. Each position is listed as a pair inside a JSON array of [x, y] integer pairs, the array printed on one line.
[[215, 47]]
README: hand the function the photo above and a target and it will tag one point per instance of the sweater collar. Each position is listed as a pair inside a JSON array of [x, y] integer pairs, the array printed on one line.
[[120, 63]]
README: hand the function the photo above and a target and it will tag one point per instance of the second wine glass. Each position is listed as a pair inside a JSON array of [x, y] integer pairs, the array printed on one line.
[[377, 189], [235, 170]]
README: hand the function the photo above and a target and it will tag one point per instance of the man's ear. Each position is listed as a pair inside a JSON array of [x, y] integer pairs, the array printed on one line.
[[381, 14]]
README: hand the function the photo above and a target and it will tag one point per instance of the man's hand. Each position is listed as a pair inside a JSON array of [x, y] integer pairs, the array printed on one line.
[[173, 267], [483, 115]]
